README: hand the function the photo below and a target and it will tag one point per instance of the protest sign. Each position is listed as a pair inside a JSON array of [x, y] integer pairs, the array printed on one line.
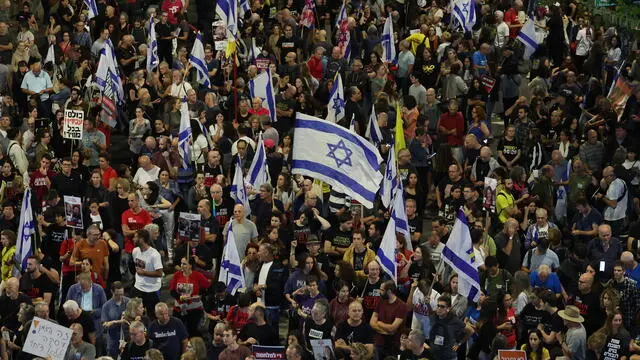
[[189, 227], [489, 193], [268, 352], [47, 340], [512, 355], [73, 212], [73, 124]]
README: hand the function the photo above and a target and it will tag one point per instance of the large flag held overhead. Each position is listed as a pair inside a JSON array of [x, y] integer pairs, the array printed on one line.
[[373, 132], [230, 268], [26, 229], [152, 47], [196, 58], [243, 9], [92, 7], [262, 86], [465, 13], [238, 189], [335, 111], [108, 81], [184, 135], [342, 14], [51, 54], [527, 36], [388, 42], [386, 254], [458, 253], [335, 155], [308, 19], [258, 172], [390, 180]]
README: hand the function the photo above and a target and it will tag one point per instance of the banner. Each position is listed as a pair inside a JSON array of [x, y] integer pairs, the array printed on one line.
[[488, 82], [489, 193], [512, 355], [268, 352], [619, 95], [189, 227], [46, 339], [73, 124], [73, 212], [322, 349]]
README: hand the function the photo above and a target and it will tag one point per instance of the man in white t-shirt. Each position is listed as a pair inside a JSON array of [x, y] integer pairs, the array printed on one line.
[[502, 34], [147, 171], [615, 200], [148, 271]]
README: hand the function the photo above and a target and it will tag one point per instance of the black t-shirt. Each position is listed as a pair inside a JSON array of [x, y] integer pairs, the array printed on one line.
[[163, 30], [554, 323], [5, 56], [210, 226], [615, 347], [54, 237], [35, 288], [168, 337], [265, 334], [285, 122], [509, 148], [287, 45], [530, 317], [9, 310], [353, 334], [370, 294], [313, 331], [84, 319], [589, 306], [134, 352], [358, 260]]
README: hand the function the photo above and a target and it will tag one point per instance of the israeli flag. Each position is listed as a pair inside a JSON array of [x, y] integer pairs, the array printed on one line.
[[342, 14], [527, 36], [184, 135], [352, 124], [335, 111], [152, 47], [465, 12], [230, 268], [258, 172], [560, 209], [93, 8], [112, 70], [254, 50], [51, 54], [458, 254], [386, 254], [244, 8], [373, 132], [390, 180], [262, 86], [26, 230], [227, 10], [238, 190], [399, 216], [335, 155], [197, 60], [388, 42]]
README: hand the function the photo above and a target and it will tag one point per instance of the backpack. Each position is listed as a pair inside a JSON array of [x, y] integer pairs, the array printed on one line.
[[630, 213]]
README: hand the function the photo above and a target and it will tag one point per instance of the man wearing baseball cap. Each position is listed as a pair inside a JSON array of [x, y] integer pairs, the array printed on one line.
[[574, 341]]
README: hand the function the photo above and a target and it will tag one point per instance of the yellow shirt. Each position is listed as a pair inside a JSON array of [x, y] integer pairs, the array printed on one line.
[[532, 355], [7, 258], [503, 201], [417, 39]]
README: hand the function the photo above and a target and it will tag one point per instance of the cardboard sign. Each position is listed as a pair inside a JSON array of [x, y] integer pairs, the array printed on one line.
[[73, 124], [489, 193], [488, 82], [189, 227], [73, 212], [512, 355], [268, 352], [46, 339]]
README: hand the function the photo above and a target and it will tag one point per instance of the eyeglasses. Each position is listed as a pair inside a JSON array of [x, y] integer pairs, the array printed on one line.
[[440, 306]]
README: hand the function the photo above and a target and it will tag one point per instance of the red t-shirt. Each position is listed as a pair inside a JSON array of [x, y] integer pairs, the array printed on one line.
[[237, 318], [315, 67], [68, 245], [173, 8], [510, 335], [450, 122], [108, 174], [40, 185], [189, 285], [134, 222], [511, 18], [388, 313], [259, 112]]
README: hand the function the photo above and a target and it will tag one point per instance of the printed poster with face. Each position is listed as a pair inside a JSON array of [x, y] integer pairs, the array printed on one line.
[[73, 212]]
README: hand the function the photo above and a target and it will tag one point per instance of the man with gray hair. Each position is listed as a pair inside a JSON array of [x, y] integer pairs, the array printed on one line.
[[414, 346], [138, 343], [502, 33], [79, 349], [168, 333], [74, 314]]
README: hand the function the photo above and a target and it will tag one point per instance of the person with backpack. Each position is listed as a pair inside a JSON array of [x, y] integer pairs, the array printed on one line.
[[616, 200]]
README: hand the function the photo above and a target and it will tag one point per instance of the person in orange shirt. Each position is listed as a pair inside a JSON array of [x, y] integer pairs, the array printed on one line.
[[410, 115]]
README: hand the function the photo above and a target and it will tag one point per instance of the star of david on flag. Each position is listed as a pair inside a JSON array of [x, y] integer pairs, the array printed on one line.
[[340, 153], [336, 100]]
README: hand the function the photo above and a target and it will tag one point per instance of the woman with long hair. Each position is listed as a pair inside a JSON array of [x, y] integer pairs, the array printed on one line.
[[200, 145], [250, 263], [521, 290], [272, 236], [307, 266], [197, 192], [611, 61], [119, 202], [458, 302], [339, 306], [186, 286], [505, 319], [96, 192], [618, 338], [534, 347], [413, 190], [478, 125], [610, 301]]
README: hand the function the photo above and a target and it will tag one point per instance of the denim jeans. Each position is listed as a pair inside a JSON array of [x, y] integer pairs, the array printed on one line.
[[272, 315]]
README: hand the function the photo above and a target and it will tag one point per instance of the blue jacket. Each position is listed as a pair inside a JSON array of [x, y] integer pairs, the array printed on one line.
[[99, 299]]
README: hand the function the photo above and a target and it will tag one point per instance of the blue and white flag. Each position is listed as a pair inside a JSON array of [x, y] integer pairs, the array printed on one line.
[[262, 86], [227, 10], [258, 172], [352, 123], [152, 47], [390, 180], [254, 50], [108, 81], [527, 36], [335, 111], [399, 216], [388, 42], [92, 7], [560, 210], [342, 14], [196, 58], [231, 268], [26, 229], [386, 254], [458, 254], [465, 12], [238, 189], [184, 135], [243, 9], [335, 155], [373, 132], [615, 79]]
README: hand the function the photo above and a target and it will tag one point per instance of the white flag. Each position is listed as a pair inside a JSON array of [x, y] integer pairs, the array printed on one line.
[[527, 36], [336, 101], [388, 42], [373, 132], [26, 229], [185, 135], [258, 172], [152, 47], [465, 12], [196, 58], [238, 190], [386, 255], [231, 272], [262, 86], [458, 253]]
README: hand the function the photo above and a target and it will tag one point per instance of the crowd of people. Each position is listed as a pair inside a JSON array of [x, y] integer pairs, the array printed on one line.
[[556, 243]]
